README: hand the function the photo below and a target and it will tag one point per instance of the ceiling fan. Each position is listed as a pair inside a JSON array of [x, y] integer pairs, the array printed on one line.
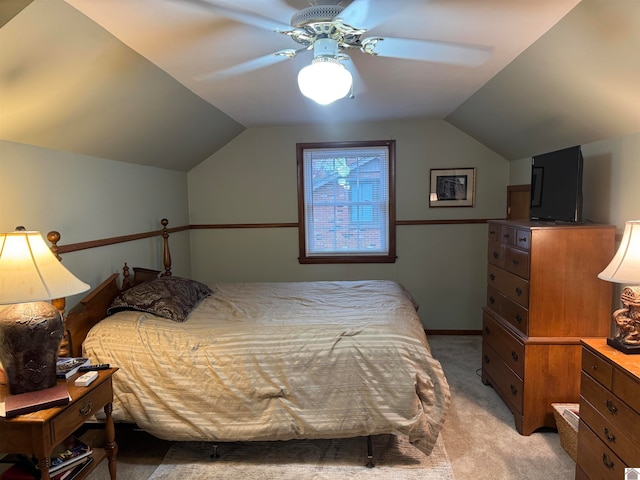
[[331, 31]]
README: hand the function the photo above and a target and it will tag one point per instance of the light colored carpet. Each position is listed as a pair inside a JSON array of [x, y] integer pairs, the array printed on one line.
[[481, 438], [337, 459]]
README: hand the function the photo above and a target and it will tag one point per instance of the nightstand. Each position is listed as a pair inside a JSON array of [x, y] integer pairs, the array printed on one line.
[[39, 432], [609, 431]]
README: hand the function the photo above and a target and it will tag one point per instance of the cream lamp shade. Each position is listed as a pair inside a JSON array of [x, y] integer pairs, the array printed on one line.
[[625, 266], [29, 271]]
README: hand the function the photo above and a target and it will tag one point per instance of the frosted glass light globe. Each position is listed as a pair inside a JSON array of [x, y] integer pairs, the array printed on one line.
[[325, 80]]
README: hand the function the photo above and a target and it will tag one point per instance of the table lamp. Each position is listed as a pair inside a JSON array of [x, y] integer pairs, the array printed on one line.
[[625, 269], [31, 329]]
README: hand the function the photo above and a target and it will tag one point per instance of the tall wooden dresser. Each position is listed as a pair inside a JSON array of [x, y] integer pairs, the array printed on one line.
[[609, 431], [543, 296]]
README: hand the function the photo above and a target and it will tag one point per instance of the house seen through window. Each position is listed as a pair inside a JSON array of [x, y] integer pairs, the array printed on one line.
[[346, 202]]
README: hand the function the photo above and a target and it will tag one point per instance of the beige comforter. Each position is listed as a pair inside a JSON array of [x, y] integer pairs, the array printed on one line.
[[276, 361]]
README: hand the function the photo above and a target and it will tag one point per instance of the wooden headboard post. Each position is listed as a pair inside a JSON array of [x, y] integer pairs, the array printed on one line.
[[166, 256], [60, 303]]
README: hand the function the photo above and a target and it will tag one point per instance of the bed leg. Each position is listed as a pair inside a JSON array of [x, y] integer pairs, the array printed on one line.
[[215, 455], [370, 463]]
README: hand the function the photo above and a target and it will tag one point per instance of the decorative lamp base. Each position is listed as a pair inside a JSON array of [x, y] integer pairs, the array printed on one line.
[[30, 336], [623, 347]]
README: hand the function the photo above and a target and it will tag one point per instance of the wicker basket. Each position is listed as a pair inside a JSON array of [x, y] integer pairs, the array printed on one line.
[[568, 433]]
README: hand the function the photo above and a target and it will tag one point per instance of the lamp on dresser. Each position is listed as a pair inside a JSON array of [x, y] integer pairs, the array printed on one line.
[[31, 329], [625, 269]]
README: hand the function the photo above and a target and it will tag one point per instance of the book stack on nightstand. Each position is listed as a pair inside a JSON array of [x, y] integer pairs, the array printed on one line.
[[67, 461]]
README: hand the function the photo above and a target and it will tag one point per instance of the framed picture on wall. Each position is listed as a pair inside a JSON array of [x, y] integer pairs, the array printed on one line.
[[452, 187]]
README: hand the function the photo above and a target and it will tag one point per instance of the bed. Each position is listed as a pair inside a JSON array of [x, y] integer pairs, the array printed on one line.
[[263, 361]]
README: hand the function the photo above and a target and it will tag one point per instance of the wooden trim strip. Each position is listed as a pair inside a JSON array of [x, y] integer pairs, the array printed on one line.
[[103, 242], [74, 247], [446, 222], [220, 226]]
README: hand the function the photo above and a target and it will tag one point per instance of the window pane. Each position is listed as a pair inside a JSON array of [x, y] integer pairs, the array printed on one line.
[[346, 201]]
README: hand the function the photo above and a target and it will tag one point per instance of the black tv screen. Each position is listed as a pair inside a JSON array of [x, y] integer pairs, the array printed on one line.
[[556, 186]]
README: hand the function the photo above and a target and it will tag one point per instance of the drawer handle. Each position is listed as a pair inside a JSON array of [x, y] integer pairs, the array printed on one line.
[[514, 390], [607, 461], [610, 436], [492, 232], [496, 255], [492, 300], [514, 355], [611, 407], [506, 235], [487, 330], [486, 359], [518, 291], [518, 319], [86, 409], [522, 239], [516, 262], [594, 367], [492, 277]]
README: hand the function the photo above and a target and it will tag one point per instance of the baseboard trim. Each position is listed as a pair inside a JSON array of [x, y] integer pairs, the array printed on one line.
[[453, 332]]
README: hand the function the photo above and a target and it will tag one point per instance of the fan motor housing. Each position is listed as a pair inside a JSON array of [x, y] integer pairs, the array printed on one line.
[[315, 14]]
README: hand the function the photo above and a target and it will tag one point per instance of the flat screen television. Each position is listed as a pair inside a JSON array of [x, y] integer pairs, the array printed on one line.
[[556, 186]]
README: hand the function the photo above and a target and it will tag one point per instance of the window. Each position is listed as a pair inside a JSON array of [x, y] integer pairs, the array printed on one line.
[[346, 202]]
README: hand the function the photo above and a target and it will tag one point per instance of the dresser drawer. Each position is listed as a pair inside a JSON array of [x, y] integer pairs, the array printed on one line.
[[627, 449], [511, 285], [516, 315], [495, 254], [517, 262], [597, 368], [510, 350], [76, 414], [610, 407], [495, 299], [596, 458], [503, 378], [522, 239], [626, 389], [495, 233]]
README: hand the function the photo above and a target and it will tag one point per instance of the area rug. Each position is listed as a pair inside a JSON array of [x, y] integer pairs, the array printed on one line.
[[337, 459]]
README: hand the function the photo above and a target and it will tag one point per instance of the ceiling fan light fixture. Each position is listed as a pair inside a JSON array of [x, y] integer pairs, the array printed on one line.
[[325, 80]]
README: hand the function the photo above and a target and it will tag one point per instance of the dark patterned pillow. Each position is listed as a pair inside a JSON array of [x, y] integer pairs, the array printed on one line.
[[168, 297]]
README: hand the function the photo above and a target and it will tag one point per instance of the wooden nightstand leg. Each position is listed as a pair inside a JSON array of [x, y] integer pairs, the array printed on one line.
[[43, 465], [111, 447]]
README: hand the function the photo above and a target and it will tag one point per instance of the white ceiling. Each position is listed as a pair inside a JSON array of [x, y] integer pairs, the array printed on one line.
[[115, 78], [188, 38]]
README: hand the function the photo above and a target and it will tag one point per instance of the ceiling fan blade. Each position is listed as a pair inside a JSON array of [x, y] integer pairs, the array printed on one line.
[[358, 86], [427, 51], [250, 65], [368, 14], [229, 10]]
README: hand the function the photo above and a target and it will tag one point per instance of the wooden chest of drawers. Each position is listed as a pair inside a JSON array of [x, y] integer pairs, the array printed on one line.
[[609, 431], [543, 296]]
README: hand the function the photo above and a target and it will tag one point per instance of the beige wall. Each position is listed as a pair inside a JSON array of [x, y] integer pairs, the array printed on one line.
[[87, 198], [253, 180]]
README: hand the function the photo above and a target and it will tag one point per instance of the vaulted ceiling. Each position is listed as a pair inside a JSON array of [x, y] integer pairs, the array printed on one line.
[[117, 79]]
